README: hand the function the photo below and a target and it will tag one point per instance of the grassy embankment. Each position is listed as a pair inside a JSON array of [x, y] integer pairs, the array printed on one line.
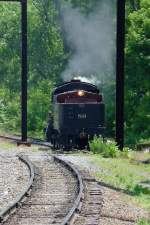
[[125, 175]]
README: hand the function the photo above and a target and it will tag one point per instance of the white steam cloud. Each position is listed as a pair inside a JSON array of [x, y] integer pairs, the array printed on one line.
[[92, 39]]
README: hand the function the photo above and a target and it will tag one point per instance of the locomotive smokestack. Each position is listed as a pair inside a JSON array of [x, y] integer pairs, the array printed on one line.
[[75, 80]]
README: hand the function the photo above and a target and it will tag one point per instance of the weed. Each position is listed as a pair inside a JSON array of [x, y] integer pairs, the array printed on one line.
[[106, 149], [137, 190], [111, 150], [143, 222], [97, 145], [126, 153]]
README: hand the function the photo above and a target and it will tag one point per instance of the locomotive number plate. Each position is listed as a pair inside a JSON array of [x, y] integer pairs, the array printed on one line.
[[82, 116]]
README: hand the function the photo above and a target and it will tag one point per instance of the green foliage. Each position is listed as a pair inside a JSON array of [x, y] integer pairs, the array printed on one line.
[[97, 145], [47, 55], [39, 106], [138, 190], [9, 110], [9, 46], [111, 150], [145, 141], [143, 222], [137, 113], [108, 149], [126, 153]]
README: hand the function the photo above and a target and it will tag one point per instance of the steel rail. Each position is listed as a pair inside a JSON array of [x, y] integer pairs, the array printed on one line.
[[77, 203], [18, 201], [34, 141]]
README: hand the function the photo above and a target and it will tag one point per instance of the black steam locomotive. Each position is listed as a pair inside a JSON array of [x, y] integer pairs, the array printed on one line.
[[78, 115]]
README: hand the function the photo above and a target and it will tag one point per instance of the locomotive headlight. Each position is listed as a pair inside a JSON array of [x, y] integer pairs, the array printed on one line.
[[81, 93]]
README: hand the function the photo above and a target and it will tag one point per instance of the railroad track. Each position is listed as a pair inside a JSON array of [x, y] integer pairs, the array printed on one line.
[[57, 192], [34, 141], [55, 207]]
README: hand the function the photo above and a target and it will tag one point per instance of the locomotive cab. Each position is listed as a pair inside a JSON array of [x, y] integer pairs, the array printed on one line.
[[78, 114]]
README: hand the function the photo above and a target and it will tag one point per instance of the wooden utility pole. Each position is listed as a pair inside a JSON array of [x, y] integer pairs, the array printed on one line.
[[120, 73], [24, 70]]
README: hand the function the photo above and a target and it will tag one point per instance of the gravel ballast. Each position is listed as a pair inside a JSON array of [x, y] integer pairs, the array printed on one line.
[[14, 175]]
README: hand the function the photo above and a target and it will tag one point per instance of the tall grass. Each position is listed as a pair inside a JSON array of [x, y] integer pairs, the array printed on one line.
[[107, 149]]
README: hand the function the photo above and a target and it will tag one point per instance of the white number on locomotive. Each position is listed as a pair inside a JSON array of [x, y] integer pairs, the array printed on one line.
[[81, 116]]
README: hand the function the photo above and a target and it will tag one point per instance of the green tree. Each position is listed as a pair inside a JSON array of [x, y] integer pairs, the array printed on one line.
[[137, 73]]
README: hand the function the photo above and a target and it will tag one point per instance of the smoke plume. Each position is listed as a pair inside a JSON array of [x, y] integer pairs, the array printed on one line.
[[92, 40]]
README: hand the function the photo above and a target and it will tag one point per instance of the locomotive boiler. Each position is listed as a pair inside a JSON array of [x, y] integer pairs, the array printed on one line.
[[78, 114]]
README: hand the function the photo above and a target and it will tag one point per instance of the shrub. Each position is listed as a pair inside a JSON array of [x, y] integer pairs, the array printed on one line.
[[97, 145], [137, 190], [106, 149], [111, 150]]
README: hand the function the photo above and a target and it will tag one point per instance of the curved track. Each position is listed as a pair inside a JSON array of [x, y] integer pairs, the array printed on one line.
[[56, 194]]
